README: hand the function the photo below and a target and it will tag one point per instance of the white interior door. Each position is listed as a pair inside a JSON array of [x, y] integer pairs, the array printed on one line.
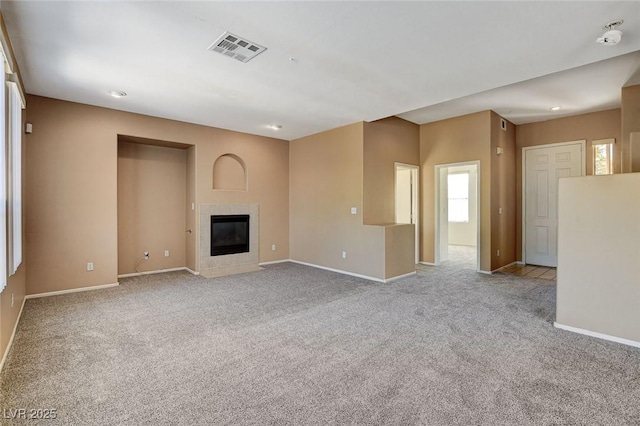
[[543, 168], [443, 226], [406, 205]]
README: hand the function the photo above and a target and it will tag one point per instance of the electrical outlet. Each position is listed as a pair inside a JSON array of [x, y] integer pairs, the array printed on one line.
[[12, 300], [146, 255], [498, 253], [354, 210], [89, 266], [344, 254], [499, 210], [273, 247], [166, 253]]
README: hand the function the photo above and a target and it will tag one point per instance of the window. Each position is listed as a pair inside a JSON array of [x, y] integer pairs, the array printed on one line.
[[12, 102], [603, 157], [458, 194], [14, 132], [3, 187]]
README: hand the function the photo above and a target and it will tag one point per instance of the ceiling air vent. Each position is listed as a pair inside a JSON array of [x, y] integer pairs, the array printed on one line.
[[236, 47]]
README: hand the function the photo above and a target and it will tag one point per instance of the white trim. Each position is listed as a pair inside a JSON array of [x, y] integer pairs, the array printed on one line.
[[428, 263], [399, 277], [273, 262], [415, 200], [340, 271], [437, 169], [366, 277], [523, 171], [504, 267], [71, 290], [597, 335], [13, 334], [157, 271], [485, 272], [191, 271]]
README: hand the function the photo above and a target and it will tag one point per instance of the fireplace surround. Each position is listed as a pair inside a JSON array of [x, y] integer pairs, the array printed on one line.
[[212, 265]]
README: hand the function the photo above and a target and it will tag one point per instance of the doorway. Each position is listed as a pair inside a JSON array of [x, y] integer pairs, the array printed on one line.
[[458, 215], [543, 166], [406, 202]]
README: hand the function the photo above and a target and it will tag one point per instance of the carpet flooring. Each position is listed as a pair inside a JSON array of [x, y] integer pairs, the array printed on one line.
[[297, 345]]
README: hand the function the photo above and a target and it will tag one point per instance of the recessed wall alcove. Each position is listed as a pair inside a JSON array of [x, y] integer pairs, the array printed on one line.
[[229, 173], [155, 187]]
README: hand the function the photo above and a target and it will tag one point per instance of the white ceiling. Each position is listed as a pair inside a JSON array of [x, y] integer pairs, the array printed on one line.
[[328, 63]]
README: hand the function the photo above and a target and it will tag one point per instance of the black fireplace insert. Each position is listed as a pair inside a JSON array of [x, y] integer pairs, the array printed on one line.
[[229, 234]]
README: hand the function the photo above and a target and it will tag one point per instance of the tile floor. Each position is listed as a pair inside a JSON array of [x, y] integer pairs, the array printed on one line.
[[464, 257], [532, 271]]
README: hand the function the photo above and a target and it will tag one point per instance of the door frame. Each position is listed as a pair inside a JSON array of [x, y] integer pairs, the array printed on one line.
[[583, 170], [415, 201], [439, 167]]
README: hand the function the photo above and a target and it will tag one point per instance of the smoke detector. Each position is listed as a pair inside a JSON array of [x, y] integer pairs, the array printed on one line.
[[611, 36], [236, 47]]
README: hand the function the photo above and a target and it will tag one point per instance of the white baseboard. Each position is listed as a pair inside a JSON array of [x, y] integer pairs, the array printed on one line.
[[485, 272], [597, 335], [71, 290], [191, 271], [353, 274], [273, 262], [399, 277], [340, 271], [520, 262], [157, 271], [428, 263], [13, 334]]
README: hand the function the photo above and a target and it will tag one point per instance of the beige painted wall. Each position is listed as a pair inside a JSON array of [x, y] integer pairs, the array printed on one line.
[[386, 142], [71, 187], [460, 139], [399, 250], [229, 173], [599, 255], [326, 181], [503, 193], [8, 313], [152, 194], [71, 195], [592, 126], [267, 164], [630, 124]]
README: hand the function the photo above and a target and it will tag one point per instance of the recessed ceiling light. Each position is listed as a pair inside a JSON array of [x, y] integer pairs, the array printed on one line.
[[612, 36], [555, 108], [117, 93], [275, 126]]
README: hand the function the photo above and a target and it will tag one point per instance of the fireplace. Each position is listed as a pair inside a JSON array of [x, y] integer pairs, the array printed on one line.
[[229, 234]]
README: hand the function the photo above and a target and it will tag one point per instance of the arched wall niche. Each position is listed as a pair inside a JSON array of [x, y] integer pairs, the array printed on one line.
[[229, 173]]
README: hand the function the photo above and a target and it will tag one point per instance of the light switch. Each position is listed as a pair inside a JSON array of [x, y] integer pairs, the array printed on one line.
[[354, 210]]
